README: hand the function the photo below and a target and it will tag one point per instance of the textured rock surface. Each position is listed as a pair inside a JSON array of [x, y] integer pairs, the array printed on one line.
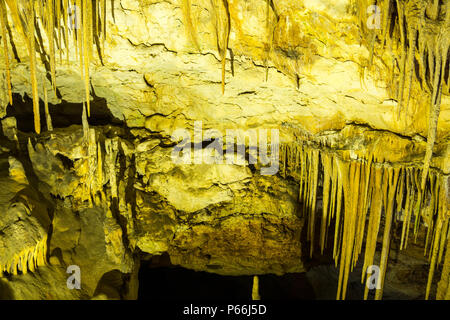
[[113, 190], [155, 77]]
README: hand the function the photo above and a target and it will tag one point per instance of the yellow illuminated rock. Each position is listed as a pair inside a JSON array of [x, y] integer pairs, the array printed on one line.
[[356, 90]]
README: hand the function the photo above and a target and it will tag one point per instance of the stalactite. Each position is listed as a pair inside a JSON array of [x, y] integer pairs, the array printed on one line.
[[408, 207], [393, 179], [428, 210], [96, 16], [48, 118], [186, 8], [58, 27], [50, 13], [51, 41], [442, 49], [227, 39], [374, 223], [112, 149], [417, 204], [65, 10], [337, 233], [86, 52], [99, 166], [443, 291], [85, 123], [345, 170], [401, 22], [90, 27], [443, 237], [302, 174], [414, 27], [326, 163], [92, 178], [357, 193], [269, 34], [437, 234], [221, 16], [103, 12], [4, 22], [27, 260], [14, 10], [387, 7], [32, 54], [314, 175]]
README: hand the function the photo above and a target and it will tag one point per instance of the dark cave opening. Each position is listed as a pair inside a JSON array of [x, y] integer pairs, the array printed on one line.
[[159, 280], [405, 279], [63, 114]]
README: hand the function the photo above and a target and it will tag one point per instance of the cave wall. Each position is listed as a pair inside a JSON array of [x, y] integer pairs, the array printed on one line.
[[298, 67]]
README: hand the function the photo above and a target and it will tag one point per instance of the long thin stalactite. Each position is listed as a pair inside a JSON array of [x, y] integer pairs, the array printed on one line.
[[77, 17], [417, 32], [359, 194]]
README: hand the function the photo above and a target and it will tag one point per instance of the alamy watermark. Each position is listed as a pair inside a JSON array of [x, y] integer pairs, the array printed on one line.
[[207, 147], [74, 280], [374, 20], [373, 282], [73, 17]]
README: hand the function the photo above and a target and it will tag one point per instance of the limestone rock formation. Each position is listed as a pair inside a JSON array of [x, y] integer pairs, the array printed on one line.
[[360, 104]]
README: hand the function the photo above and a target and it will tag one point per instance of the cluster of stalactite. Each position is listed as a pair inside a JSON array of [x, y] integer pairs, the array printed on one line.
[[443, 291], [26, 260], [222, 25], [417, 32], [361, 193], [105, 173], [66, 23], [99, 167], [102, 184], [220, 11]]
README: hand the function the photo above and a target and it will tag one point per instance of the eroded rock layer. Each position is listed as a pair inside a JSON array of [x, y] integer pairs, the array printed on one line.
[[95, 184]]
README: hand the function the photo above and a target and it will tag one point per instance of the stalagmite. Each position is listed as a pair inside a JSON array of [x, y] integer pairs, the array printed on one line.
[[255, 289]]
